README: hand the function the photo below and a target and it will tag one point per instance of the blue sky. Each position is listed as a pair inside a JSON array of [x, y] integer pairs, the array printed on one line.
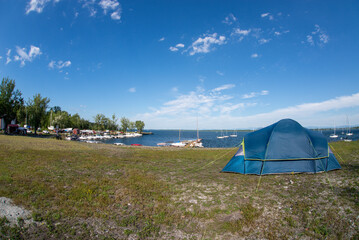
[[234, 64]]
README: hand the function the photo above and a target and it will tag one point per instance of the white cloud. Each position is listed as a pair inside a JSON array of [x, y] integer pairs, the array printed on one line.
[[306, 111], [317, 37], [8, 57], [36, 5], [132, 90], [108, 5], [59, 64], [255, 94], [111, 5], [230, 19], [90, 5], [205, 44], [310, 39], [161, 39], [116, 15], [263, 41], [264, 15], [308, 114], [173, 49], [24, 57], [177, 47], [223, 87], [196, 101], [240, 32], [254, 55]]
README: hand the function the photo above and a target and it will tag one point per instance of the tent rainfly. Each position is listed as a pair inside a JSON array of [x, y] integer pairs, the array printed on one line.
[[283, 147]]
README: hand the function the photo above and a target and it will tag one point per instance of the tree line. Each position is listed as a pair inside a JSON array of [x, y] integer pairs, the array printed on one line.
[[37, 113]]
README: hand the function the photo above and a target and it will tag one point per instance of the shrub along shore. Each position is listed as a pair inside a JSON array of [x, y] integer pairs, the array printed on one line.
[[82, 191]]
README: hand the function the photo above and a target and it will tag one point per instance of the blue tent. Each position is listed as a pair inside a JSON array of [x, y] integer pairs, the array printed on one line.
[[283, 147]]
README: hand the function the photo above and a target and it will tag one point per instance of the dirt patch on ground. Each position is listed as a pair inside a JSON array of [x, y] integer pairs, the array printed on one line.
[[14, 213]]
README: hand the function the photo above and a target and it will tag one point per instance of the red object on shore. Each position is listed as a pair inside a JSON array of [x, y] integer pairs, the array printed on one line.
[[135, 144]]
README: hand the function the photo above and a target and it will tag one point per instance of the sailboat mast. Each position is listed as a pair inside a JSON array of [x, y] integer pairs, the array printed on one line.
[[197, 129]]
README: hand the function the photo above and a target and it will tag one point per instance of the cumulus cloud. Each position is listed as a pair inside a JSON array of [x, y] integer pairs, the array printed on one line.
[[108, 5], [254, 55], [199, 101], [206, 44], [173, 49], [161, 39], [59, 64], [230, 19], [23, 56], [36, 5], [317, 37], [132, 90], [177, 47], [255, 94], [111, 6]]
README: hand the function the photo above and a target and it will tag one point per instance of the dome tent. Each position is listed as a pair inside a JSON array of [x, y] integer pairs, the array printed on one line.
[[283, 147]]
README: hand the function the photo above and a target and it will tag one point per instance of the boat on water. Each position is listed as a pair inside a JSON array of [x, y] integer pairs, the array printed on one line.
[[222, 136], [234, 134], [333, 135], [348, 129]]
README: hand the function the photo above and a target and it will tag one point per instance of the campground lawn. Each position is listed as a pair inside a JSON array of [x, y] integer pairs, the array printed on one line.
[[77, 190]]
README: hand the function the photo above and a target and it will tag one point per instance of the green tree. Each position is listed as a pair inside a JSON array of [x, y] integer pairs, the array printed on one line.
[[139, 126], [62, 119], [37, 110], [101, 122], [10, 100], [55, 109], [113, 123], [75, 121], [125, 124]]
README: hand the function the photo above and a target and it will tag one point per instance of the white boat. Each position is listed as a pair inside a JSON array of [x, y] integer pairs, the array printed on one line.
[[221, 137], [333, 135], [348, 131], [178, 144], [119, 144], [234, 134]]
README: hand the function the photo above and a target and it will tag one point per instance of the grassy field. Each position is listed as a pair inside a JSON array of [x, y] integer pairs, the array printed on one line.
[[96, 191]]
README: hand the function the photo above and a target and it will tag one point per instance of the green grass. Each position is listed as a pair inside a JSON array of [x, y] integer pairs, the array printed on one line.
[[83, 191]]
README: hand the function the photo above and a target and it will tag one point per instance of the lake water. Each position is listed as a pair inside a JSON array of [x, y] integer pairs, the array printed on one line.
[[209, 138]]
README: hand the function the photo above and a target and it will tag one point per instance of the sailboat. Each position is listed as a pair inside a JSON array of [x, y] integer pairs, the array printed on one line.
[[333, 135], [179, 143], [226, 136], [221, 137], [348, 132], [234, 134]]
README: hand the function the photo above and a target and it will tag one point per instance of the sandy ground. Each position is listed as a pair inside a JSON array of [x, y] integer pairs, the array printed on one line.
[[13, 212]]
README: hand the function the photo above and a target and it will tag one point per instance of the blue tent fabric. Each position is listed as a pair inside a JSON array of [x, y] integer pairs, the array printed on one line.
[[283, 147]]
